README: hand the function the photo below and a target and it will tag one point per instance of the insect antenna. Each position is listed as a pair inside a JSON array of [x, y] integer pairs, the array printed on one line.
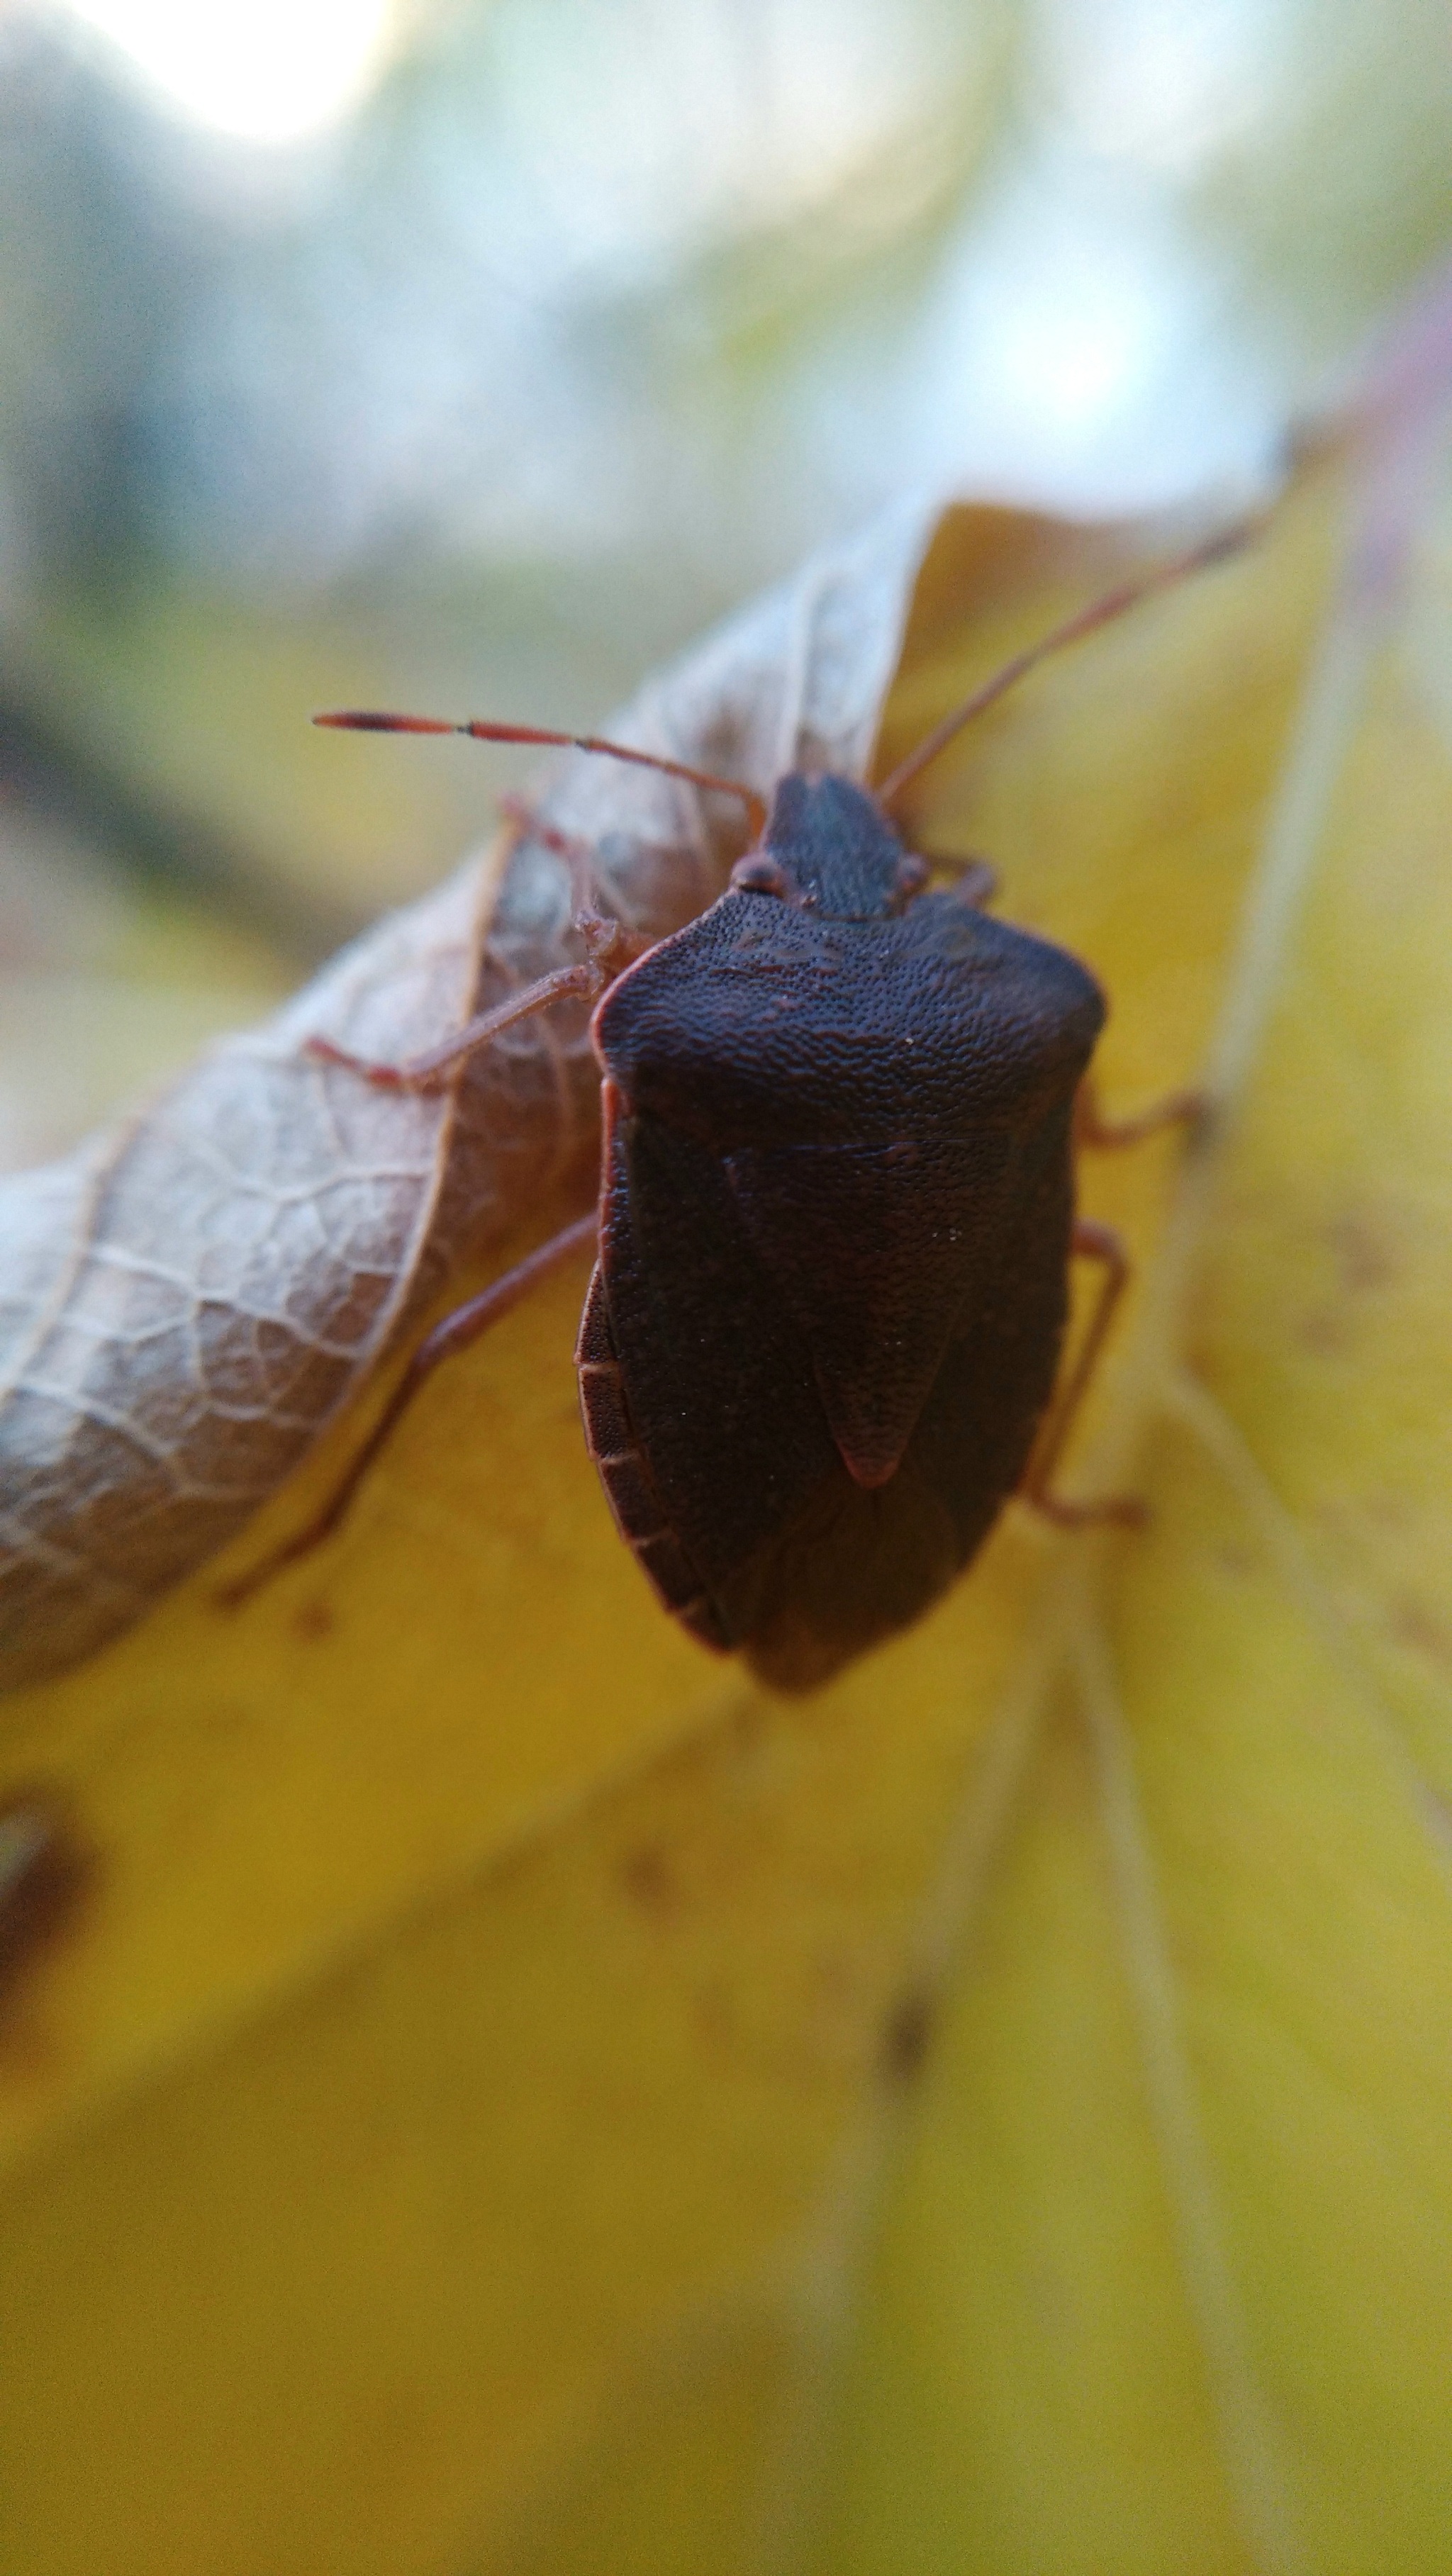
[[367, 720], [1085, 621]]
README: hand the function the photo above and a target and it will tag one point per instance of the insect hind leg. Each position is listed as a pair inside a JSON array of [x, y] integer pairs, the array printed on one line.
[[455, 1332]]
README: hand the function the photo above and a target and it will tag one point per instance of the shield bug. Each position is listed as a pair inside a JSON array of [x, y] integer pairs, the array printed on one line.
[[840, 1112]]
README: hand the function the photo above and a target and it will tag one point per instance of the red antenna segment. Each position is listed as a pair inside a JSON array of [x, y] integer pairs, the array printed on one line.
[[365, 720]]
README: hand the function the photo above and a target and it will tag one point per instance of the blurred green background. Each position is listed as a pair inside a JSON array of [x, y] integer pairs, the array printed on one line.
[[470, 357]]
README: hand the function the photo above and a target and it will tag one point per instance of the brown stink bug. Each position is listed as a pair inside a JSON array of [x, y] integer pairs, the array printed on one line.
[[840, 1115]]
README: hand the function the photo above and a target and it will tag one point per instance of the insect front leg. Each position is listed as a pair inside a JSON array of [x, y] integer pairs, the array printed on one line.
[[1093, 1242], [976, 883], [454, 1332], [579, 857], [609, 947]]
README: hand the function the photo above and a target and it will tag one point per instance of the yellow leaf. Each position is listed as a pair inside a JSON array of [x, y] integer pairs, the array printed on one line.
[[499, 2091]]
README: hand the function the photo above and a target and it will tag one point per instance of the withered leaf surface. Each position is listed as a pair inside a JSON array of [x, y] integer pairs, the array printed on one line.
[[187, 1301]]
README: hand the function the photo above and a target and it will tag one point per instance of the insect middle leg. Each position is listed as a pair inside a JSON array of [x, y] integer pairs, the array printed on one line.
[[1093, 1242], [1097, 1242], [454, 1332], [1094, 1133]]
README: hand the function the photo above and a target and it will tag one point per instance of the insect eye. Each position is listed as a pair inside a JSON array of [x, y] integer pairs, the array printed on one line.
[[757, 874]]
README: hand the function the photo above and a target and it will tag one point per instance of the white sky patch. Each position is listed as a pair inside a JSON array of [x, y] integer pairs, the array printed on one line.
[[1073, 351], [1162, 84], [268, 71], [648, 128]]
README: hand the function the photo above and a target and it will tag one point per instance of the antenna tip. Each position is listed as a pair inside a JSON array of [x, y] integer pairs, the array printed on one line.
[[371, 720]]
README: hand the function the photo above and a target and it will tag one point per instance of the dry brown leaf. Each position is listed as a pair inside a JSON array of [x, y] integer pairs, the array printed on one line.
[[189, 1300]]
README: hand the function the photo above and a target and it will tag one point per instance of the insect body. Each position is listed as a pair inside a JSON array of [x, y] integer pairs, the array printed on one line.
[[835, 1219], [840, 1111]]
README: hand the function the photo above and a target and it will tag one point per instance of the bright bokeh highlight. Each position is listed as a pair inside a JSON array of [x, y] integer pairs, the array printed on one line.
[[274, 72]]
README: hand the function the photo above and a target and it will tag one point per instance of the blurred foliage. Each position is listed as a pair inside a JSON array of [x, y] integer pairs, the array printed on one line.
[[578, 326]]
